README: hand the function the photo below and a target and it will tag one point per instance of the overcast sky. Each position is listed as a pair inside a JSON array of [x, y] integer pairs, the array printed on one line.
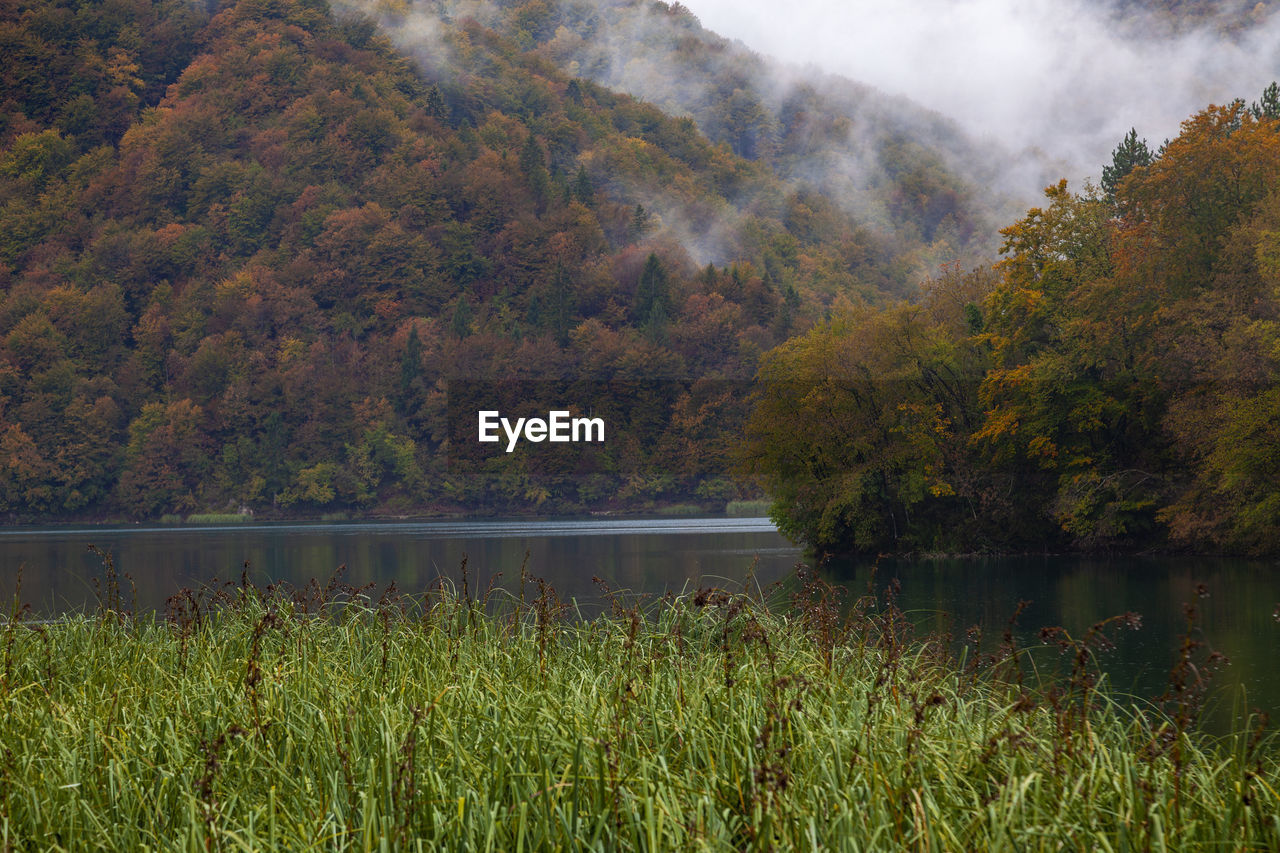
[[1033, 73]]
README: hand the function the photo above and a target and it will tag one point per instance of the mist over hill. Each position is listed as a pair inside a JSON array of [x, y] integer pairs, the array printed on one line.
[[1057, 84], [936, 119], [911, 174]]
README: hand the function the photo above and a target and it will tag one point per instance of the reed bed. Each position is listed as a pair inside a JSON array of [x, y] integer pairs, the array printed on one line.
[[337, 718], [751, 508]]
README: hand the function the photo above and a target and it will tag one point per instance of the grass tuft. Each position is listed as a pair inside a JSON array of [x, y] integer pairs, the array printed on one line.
[[748, 509], [219, 518]]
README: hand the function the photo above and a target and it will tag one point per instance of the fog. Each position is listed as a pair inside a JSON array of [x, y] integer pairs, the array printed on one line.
[[1006, 96], [1058, 81]]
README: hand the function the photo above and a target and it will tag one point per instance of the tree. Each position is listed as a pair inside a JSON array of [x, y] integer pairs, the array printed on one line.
[[1223, 423], [36, 158], [435, 105], [26, 477], [561, 308], [460, 323], [583, 190], [1128, 155], [744, 123], [641, 222], [1070, 398], [652, 302], [1269, 106], [1222, 164], [533, 166], [410, 371], [166, 460], [858, 432]]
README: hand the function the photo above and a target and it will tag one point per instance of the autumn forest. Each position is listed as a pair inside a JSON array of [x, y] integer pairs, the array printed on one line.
[[249, 249]]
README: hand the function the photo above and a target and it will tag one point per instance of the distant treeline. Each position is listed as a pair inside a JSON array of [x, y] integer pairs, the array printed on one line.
[[1111, 383]]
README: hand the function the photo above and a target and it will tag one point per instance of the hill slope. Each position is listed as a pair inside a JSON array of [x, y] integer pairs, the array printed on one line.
[[909, 174], [242, 254]]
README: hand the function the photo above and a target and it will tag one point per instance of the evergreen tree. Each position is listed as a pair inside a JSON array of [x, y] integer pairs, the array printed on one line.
[[533, 166], [1129, 155], [460, 325], [652, 297], [435, 105], [640, 224], [583, 190], [1269, 107], [709, 277], [561, 305], [410, 370], [574, 91]]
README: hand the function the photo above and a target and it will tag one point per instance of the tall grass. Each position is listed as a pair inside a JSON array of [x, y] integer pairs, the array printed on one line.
[[219, 518], [753, 508], [328, 718]]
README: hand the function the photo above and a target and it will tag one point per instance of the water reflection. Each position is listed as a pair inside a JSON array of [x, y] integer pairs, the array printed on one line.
[[644, 556], [1237, 618]]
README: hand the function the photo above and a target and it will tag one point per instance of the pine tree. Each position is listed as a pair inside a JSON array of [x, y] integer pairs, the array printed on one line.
[[460, 325], [435, 105], [410, 370], [1129, 155], [583, 190], [640, 224], [1269, 107], [652, 297], [561, 305], [534, 167]]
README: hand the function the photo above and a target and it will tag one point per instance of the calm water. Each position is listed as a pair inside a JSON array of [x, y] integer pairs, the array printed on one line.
[[1238, 618], [644, 556]]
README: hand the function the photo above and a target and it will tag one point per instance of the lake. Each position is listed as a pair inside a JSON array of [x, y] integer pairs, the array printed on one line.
[[1239, 615], [651, 556], [643, 556]]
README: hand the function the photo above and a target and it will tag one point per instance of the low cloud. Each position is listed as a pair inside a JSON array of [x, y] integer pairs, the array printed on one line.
[[1059, 82]]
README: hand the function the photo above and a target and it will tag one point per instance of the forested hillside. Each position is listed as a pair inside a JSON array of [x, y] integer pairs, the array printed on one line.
[[1111, 383], [909, 175], [243, 252]]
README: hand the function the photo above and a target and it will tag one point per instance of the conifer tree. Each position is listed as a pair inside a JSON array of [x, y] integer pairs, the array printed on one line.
[[1130, 154], [652, 296], [583, 190], [1269, 106], [410, 370], [533, 166]]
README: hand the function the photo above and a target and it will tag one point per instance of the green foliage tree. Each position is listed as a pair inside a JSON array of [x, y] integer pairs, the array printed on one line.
[[533, 166], [166, 460], [653, 297], [1269, 106], [859, 431], [583, 190], [1130, 154], [410, 372]]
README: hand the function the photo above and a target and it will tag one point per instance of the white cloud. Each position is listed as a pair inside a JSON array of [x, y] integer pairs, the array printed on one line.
[[1035, 74]]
